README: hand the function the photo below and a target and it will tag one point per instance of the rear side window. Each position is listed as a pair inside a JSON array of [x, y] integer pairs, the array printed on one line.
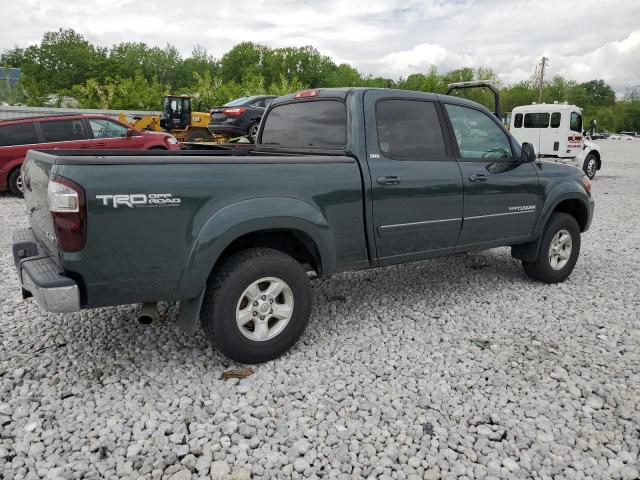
[[536, 120], [576, 122], [409, 129], [517, 123], [555, 119], [63, 130], [17, 134], [311, 124]]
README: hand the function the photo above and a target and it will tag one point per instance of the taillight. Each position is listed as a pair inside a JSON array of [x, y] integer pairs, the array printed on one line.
[[234, 112], [69, 213], [307, 93]]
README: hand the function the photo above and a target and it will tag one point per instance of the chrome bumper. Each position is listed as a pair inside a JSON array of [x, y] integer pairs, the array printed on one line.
[[41, 277]]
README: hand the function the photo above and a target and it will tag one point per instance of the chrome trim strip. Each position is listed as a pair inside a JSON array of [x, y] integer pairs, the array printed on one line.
[[386, 229], [501, 214]]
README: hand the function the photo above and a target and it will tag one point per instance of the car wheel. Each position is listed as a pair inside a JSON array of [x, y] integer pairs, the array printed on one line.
[[15, 182], [253, 130], [256, 305], [199, 135], [590, 166], [559, 250]]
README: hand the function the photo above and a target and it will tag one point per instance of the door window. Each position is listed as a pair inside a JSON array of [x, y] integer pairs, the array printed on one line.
[[555, 119], [477, 135], [575, 123], [63, 130], [103, 128], [18, 134], [409, 129]]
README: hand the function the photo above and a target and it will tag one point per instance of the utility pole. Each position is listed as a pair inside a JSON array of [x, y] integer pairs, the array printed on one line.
[[543, 63]]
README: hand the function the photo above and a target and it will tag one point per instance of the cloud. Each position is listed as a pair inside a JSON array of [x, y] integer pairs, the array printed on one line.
[[584, 39]]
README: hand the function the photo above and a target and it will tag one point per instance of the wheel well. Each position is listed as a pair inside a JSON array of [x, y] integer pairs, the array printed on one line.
[[292, 242], [576, 209]]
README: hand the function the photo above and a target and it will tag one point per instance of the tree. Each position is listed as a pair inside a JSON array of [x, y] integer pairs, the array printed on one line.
[[599, 92]]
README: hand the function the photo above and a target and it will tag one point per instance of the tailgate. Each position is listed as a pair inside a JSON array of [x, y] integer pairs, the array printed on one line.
[[36, 171]]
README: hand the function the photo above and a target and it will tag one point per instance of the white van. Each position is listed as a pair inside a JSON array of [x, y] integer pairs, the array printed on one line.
[[555, 130]]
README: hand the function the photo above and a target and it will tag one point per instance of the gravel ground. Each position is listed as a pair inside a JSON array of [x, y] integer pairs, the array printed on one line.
[[451, 368]]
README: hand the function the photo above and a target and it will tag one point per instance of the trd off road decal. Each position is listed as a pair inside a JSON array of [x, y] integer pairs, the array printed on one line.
[[134, 200]]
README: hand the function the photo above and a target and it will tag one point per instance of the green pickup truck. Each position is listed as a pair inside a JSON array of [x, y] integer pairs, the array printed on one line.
[[338, 180]]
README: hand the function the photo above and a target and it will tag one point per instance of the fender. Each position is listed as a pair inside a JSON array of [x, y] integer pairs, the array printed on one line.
[[562, 191], [249, 216], [588, 147]]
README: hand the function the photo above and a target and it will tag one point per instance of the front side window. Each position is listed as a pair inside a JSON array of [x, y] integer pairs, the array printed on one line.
[[103, 128], [555, 119], [575, 124], [311, 124], [477, 135], [17, 134], [536, 120], [518, 121], [409, 129], [63, 130]]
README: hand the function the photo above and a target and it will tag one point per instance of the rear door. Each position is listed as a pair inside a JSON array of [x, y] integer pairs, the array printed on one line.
[[502, 196], [416, 183], [63, 133]]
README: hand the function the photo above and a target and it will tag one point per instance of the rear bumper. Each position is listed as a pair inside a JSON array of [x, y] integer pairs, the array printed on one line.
[[222, 129], [41, 277]]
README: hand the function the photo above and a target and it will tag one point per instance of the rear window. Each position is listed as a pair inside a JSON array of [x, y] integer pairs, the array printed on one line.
[[536, 120], [517, 123], [237, 101], [17, 134], [311, 124], [63, 130], [409, 129]]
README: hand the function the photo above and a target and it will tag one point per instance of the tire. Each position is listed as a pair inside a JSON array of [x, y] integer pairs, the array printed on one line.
[[228, 302], [15, 182], [252, 131], [550, 267], [590, 165], [199, 135]]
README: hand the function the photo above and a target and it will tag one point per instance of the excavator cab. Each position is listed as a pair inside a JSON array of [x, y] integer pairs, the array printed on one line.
[[176, 113]]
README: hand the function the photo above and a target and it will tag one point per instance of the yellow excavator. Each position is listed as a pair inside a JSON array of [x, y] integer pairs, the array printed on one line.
[[177, 119]]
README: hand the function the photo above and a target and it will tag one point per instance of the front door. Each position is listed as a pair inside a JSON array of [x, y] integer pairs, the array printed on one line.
[[502, 196], [415, 180]]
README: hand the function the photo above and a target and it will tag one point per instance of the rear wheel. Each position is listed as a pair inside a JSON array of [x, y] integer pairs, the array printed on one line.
[[559, 250], [15, 182], [253, 130], [199, 135], [257, 304], [590, 166]]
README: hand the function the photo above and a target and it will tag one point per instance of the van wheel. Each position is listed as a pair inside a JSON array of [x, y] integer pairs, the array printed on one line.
[[256, 305], [590, 166], [15, 182], [559, 250]]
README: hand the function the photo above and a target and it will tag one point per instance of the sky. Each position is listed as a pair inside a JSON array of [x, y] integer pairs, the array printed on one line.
[[584, 39]]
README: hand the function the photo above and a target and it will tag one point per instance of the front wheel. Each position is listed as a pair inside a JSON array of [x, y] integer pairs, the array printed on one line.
[[256, 305], [590, 166], [559, 250], [15, 182]]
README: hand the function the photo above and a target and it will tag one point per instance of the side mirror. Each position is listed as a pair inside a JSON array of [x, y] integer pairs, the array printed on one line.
[[528, 153], [132, 132]]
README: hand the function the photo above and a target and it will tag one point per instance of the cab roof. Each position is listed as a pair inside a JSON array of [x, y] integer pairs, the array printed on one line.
[[547, 107]]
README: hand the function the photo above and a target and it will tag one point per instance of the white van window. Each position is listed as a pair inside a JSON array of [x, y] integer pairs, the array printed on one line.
[[555, 119], [517, 123], [536, 120], [576, 122]]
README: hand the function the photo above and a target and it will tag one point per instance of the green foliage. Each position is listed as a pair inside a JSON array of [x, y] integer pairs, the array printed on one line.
[[133, 75]]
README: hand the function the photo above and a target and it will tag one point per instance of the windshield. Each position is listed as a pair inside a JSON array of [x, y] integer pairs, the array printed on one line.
[[237, 101]]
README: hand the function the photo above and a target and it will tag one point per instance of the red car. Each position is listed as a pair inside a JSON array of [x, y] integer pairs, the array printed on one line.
[[73, 131]]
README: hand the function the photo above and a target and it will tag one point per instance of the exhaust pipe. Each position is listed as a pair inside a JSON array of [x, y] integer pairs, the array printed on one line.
[[148, 313]]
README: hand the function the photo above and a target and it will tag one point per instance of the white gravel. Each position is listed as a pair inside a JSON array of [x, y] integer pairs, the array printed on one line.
[[457, 367]]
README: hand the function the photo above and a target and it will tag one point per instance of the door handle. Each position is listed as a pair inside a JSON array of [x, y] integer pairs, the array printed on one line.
[[478, 177], [388, 180]]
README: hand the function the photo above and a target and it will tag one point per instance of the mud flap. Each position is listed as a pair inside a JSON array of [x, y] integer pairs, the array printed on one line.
[[189, 313]]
